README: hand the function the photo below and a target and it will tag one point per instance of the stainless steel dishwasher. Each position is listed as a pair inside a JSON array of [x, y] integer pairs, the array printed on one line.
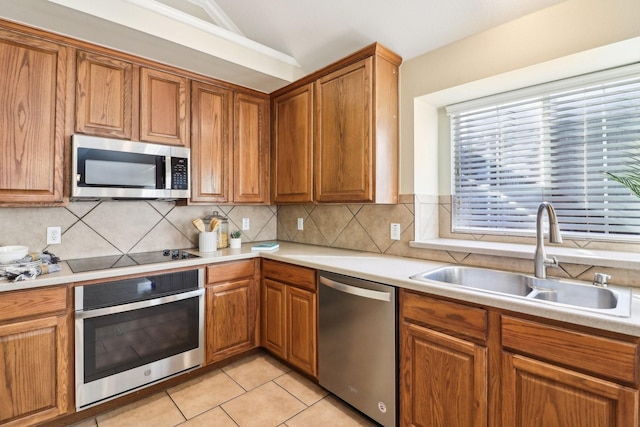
[[357, 348]]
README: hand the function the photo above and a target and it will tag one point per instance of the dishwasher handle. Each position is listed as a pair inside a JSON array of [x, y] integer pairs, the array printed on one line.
[[354, 290]]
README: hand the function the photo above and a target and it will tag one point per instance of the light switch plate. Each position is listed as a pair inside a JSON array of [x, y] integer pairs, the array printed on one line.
[[300, 223], [245, 224], [395, 231]]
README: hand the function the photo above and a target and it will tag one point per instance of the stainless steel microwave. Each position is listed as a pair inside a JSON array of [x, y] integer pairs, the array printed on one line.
[[105, 168]]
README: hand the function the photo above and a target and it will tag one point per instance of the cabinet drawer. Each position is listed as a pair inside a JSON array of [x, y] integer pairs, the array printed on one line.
[[458, 319], [14, 305], [301, 277], [226, 271], [598, 355]]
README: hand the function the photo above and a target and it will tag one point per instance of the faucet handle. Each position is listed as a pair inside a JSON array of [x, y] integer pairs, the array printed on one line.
[[600, 279]]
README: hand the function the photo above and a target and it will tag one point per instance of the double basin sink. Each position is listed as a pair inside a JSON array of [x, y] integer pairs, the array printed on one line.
[[612, 300]]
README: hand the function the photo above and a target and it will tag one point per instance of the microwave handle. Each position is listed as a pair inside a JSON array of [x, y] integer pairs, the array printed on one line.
[[167, 172]]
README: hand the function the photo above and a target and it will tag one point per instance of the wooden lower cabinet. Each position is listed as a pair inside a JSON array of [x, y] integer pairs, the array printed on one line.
[[443, 378], [231, 309], [301, 328], [35, 361], [465, 365], [540, 394], [289, 314], [273, 317], [558, 376]]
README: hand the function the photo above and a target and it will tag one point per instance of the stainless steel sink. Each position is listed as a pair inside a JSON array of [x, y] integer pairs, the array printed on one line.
[[612, 300], [587, 296], [501, 282]]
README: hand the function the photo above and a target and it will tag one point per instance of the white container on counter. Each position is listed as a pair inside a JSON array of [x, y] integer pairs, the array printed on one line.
[[208, 241]]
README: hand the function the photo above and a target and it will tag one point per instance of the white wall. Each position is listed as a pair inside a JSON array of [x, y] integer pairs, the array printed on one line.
[[552, 43]]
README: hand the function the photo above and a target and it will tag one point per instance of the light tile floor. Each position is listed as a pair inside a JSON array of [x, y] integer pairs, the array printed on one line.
[[256, 391]]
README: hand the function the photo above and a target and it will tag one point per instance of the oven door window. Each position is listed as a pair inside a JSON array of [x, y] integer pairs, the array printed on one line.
[[121, 341]]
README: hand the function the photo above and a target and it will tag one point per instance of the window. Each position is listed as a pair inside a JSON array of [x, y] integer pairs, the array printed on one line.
[[555, 143]]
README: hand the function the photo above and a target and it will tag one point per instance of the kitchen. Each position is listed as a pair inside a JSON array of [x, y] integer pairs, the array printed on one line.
[[99, 228]]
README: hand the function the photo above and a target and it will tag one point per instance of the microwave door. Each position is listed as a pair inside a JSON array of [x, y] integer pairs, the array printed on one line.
[[117, 174], [120, 174]]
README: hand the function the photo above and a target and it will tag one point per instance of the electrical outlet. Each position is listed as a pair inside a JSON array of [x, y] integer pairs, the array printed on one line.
[[54, 235], [300, 223], [395, 231], [245, 224]]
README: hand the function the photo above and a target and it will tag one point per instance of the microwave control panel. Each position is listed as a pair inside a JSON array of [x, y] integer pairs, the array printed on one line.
[[179, 173]]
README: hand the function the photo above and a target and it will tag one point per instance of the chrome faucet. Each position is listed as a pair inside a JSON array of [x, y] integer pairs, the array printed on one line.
[[541, 262]]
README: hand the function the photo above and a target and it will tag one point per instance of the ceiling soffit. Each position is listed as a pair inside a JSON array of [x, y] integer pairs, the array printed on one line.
[[163, 21]]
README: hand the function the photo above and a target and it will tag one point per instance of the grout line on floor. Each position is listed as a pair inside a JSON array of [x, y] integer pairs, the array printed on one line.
[[166, 391], [295, 397]]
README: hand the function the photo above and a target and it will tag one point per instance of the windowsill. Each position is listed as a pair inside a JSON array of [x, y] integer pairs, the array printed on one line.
[[600, 258]]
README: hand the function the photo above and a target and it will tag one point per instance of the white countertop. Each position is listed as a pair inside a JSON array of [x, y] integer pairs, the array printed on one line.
[[387, 269]]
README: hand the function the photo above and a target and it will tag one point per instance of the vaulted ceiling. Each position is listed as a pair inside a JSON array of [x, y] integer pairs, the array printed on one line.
[[265, 44]]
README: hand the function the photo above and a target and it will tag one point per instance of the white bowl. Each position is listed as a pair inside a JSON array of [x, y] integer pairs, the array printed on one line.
[[11, 253]]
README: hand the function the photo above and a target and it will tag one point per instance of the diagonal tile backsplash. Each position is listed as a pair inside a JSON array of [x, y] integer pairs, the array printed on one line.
[[351, 226], [92, 229], [110, 228]]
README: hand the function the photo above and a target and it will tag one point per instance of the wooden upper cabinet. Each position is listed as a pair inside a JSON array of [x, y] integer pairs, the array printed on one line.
[[343, 135], [164, 98], [335, 132], [292, 150], [104, 96], [119, 99], [356, 132], [250, 149], [33, 90], [211, 154]]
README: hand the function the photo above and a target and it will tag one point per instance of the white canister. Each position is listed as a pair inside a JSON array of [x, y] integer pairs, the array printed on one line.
[[208, 241]]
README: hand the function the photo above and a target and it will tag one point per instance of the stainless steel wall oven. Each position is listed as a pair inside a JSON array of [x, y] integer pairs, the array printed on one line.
[[132, 332]]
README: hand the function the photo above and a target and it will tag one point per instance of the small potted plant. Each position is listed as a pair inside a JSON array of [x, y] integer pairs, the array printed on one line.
[[235, 241]]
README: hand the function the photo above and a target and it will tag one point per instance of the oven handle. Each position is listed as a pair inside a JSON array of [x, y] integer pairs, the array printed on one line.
[[88, 314]]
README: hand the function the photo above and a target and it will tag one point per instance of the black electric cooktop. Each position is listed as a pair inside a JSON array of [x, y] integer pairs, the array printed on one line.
[[116, 261]]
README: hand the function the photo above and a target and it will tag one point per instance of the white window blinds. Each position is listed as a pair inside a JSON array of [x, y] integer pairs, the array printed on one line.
[[513, 151]]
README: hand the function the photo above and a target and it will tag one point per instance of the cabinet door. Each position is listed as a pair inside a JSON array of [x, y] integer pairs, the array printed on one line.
[[443, 380], [250, 149], [231, 318], [33, 88], [343, 159], [211, 160], [535, 393], [273, 312], [104, 96], [35, 371], [291, 166], [164, 98], [301, 329]]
